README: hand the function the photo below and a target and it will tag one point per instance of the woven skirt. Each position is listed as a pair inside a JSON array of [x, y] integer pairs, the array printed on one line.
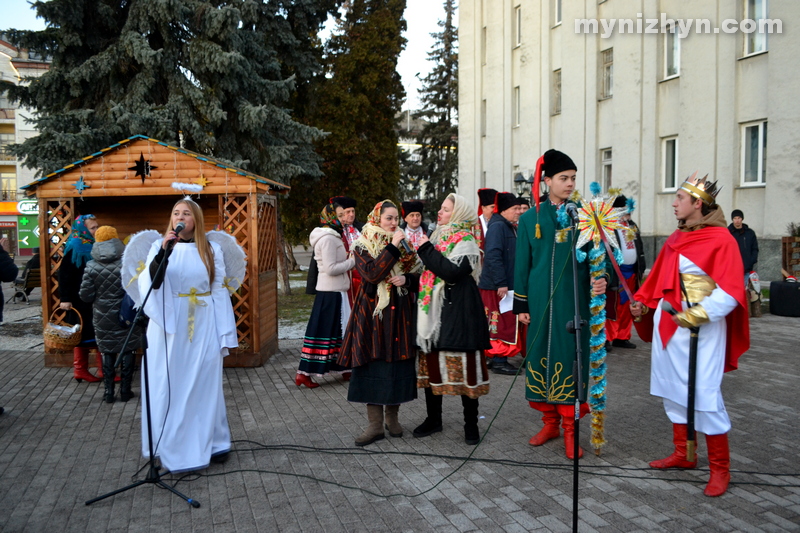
[[323, 338], [383, 383], [454, 373]]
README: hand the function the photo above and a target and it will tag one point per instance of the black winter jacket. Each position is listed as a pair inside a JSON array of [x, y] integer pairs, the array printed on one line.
[[464, 327], [499, 255], [8, 272], [748, 246], [102, 285]]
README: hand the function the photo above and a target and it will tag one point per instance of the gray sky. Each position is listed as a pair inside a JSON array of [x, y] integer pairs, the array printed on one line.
[[421, 19]]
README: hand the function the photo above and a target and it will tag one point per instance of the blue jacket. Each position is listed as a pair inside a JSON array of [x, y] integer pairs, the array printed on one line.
[[499, 254]]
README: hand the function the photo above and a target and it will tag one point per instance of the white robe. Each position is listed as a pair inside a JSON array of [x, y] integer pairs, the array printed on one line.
[[186, 400], [669, 371]]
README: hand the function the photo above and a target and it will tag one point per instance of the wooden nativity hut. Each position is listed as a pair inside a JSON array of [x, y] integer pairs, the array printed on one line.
[[129, 185]]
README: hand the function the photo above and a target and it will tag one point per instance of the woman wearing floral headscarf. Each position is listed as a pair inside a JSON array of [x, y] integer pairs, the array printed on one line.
[[379, 341], [78, 252], [452, 331], [331, 310]]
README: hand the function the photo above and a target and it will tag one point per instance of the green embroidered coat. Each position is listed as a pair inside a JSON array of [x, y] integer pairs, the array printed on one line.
[[544, 266]]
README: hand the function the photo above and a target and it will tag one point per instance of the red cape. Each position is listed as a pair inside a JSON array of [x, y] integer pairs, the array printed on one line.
[[715, 251]]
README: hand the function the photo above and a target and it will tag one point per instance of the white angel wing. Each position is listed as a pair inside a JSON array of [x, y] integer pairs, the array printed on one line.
[[133, 261], [235, 262]]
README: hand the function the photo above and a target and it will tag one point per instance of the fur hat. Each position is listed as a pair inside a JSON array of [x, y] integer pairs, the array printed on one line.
[[411, 207], [486, 197], [555, 162], [344, 201], [503, 201], [105, 233]]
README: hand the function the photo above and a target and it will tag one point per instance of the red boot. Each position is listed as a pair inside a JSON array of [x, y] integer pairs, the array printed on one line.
[[346, 376], [678, 457], [302, 379], [569, 438], [80, 363], [719, 461], [550, 430]]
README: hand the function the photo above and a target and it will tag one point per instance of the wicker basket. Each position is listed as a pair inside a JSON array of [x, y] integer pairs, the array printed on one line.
[[57, 339]]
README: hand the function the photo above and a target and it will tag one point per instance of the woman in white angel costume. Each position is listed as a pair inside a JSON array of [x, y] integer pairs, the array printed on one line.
[[191, 328]]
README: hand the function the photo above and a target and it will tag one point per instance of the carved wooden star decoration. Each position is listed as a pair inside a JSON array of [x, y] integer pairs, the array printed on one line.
[[202, 180], [142, 167], [81, 185]]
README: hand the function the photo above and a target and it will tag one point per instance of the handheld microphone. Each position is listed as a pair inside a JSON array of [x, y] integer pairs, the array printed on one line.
[[572, 211], [667, 308], [179, 227], [407, 247]]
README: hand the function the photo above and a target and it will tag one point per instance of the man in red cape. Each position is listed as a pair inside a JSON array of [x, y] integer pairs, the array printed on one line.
[[700, 265]]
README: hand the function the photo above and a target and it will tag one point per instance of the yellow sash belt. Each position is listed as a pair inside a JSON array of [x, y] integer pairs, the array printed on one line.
[[194, 301]]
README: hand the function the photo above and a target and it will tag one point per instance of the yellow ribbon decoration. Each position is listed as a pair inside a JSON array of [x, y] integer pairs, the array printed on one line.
[[226, 283], [194, 301], [139, 270]]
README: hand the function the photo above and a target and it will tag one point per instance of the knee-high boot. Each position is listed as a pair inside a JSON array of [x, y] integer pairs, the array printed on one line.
[[80, 364], [99, 362], [678, 457], [569, 437], [550, 429], [471, 434], [392, 423], [125, 392], [433, 422], [108, 376], [719, 461], [374, 430]]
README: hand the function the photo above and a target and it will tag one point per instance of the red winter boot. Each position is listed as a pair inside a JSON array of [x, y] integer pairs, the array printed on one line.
[[719, 461], [80, 363], [569, 438], [678, 457], [550, 430]]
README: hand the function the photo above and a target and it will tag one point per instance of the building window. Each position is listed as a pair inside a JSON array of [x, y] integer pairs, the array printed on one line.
[[556, 92], [483, 118], [669, 157], [517, 26], [754, 153], [557, 12], [8, 187], [607, 86], [483, 45], [755, 41], [6, 139], [515, 104], [672, 53], [605, 167]]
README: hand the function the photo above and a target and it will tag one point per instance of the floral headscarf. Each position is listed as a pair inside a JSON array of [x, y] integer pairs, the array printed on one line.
[[80, 241], [373, 240], [328, 219], [456, 240]]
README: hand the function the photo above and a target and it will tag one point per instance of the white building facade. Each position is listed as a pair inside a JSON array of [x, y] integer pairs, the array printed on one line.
[[640, 93]]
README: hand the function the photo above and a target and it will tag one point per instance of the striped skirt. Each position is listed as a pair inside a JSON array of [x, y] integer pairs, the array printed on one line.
[[323, 338]]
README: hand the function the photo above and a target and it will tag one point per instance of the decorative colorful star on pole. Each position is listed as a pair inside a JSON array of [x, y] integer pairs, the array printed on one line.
[[597, 221]]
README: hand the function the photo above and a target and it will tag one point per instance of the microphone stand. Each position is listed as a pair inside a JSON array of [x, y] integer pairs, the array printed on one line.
[[575, 327], [153, 475]]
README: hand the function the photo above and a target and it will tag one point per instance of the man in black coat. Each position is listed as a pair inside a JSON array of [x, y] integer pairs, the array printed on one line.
[[497, 281], [748, 244], [8, 270]]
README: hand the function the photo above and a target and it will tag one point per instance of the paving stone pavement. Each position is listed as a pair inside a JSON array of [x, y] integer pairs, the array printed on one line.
[[60, 446]]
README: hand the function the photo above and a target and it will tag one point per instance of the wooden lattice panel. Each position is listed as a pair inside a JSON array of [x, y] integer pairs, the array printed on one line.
[[55, 219], [267, 236], [235, 216]]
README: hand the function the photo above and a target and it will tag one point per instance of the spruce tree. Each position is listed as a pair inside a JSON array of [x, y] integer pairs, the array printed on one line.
[[437, 170], [221, 71], [355, 103]]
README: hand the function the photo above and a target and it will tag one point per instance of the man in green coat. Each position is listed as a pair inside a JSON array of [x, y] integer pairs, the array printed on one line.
[[543, 267]]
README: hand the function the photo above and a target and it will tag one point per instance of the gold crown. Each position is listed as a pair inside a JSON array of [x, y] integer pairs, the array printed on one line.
[[701, 188]]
